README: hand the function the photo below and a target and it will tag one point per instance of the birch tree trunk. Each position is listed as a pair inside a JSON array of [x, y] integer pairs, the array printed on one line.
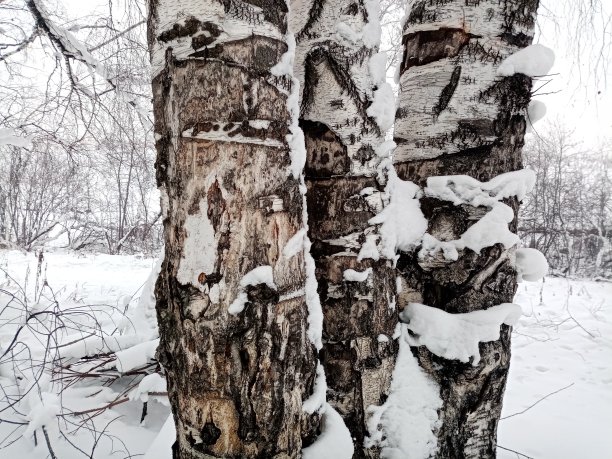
[[230, 301], [342, 77], [456, 115]]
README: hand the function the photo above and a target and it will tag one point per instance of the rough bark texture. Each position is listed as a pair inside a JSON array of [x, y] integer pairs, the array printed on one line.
[[457, 116], [345, 180], [236, 382]]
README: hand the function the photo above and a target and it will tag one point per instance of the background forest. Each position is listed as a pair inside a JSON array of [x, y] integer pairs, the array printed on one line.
[[86, 181]]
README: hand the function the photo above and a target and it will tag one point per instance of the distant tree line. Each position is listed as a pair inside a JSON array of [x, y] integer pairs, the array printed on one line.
[[568, 215], [86, 181]]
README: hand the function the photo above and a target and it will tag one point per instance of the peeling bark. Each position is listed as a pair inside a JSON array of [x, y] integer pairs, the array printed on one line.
[[341, 140], [236, 383], [457, 116]]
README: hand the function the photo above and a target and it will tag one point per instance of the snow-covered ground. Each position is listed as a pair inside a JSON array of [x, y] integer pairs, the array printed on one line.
[[84, 286], [562, 343]]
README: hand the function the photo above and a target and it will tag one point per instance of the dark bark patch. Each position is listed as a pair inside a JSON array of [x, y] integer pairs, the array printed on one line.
[[211, 32], [275, 131], [314, 14], [262, 294], [326, 206], [216, 205], [352, 9], [326, 154], [194, 205], [163, 147], [272, 11], [400, 113], [511, 93], [424, 47], [210, 433], [364, 154], [265, 57], [517, 39]]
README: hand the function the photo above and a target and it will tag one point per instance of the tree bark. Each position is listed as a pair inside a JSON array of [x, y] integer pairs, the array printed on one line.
[[230, 303], [340, 71], [457, 116]]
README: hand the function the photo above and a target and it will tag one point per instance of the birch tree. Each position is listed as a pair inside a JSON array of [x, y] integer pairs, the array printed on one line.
[[464, 92], [232, 313], [346, 107]]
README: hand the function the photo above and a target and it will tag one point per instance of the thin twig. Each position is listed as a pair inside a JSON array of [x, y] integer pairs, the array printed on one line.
[[53, 456], [538, 401], [515, 452]]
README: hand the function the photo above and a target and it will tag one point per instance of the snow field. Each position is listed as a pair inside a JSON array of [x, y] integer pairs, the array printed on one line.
[[558, 401]]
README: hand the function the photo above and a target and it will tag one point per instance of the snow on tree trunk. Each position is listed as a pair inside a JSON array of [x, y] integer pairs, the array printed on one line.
[[346, 107], [231, 307], [458, 116]]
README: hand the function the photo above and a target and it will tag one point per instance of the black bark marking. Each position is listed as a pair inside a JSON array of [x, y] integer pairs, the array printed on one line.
[[272, 11], [477, 51], [352, 9], [447, 92], [275, 131], [262, 294], [191, 26], [517, 39], [519, 13], [313, 16], [194, 205], [212, 32], [365, 154], [401, 112], [328, 53]]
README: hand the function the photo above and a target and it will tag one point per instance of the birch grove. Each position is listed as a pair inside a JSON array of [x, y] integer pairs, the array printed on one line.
[[340, 253]]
